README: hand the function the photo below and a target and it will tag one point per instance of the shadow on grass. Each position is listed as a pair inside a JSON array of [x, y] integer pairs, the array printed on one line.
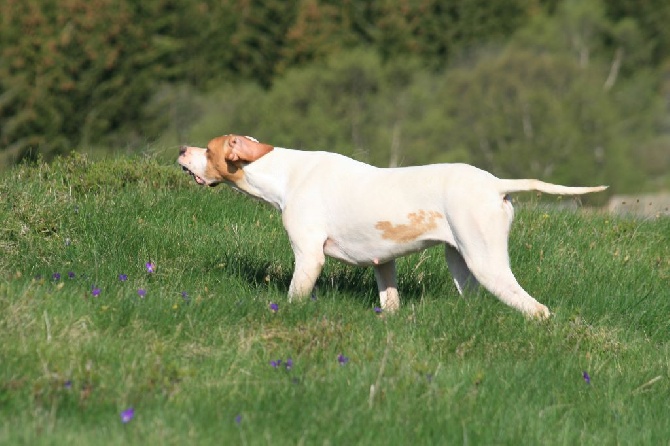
[[352, 281]]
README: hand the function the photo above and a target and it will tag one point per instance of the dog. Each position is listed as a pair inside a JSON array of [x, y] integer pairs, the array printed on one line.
[[332, 205]]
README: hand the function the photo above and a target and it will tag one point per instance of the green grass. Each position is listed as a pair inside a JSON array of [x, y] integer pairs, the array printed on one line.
[[445, 370]]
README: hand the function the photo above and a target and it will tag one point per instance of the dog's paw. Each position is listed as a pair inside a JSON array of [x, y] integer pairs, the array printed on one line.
[[541, 312]]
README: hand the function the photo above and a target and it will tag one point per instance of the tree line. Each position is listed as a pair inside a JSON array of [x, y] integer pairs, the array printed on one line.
[[569, 89]]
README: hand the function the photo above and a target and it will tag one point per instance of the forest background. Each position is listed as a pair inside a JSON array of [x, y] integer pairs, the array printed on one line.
[[572, 91]]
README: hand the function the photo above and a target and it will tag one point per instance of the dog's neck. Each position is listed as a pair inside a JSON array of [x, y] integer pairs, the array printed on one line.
[[262, 179]]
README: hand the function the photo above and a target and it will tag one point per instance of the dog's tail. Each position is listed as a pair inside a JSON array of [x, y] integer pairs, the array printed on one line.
[[510, 186]]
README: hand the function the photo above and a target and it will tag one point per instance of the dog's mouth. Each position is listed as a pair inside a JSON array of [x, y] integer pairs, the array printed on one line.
[[197, 179]]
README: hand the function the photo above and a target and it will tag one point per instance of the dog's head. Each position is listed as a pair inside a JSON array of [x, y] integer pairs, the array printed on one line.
[[222, 160]]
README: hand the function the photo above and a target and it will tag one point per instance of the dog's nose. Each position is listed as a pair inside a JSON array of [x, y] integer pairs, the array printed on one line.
[[182, 150]]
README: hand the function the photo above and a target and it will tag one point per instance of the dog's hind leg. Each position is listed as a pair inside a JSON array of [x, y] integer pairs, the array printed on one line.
[[463, 278], [385, 274], [499, 280], [482, 238]]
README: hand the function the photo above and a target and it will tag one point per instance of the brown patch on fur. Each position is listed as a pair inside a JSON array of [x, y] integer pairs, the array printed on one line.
[[419, 223], [218, 164], [244, 148], [227, 155]]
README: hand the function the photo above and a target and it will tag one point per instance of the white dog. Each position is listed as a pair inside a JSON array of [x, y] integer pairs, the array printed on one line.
[[363, 215]]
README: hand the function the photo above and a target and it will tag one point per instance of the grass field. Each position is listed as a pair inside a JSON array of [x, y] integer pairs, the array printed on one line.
[[88, 332]]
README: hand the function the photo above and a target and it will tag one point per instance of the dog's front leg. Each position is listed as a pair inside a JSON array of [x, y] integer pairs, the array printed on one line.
[[308, 266], [388, 288]]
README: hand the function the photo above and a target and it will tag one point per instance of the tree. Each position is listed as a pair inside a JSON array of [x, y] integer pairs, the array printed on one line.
[[548, 106], [651, 17], [74, 71]]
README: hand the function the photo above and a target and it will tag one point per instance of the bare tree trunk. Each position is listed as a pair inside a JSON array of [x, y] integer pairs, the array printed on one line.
[[614, 69], [394, 159], [526, 121]]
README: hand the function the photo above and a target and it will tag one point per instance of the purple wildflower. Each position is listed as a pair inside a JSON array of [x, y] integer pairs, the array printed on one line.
[[68, 384], [587, 378], [56, 276], [289, 364], [123, 277], [378, 310], [71, 274], [274, 307], [276, 363], [127, 415], [238, 419], [151, 267], [95, 291], [342, 359], [142, 292]]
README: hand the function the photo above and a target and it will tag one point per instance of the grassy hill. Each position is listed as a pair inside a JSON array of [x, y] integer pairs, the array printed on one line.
[[194, 348]]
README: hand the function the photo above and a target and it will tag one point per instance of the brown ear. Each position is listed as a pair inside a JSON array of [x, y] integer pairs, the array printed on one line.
[[245, 149]]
